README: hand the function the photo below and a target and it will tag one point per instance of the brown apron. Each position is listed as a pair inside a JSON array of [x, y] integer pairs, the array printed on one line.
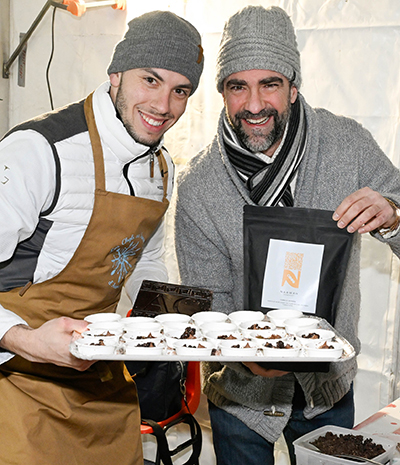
[[57, 415]]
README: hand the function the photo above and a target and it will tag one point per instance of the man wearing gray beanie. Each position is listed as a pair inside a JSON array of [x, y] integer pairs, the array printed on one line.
[[273, 150], [85, 193], [160, 39]]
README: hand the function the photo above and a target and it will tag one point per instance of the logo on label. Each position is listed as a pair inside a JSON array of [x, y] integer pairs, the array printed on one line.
[[292, 269], [122, 256]]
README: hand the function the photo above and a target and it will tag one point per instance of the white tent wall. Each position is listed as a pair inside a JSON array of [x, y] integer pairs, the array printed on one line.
[[350, 53]]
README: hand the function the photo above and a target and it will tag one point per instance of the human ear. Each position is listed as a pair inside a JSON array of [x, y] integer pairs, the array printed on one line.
[[293, 94], [115, 79]]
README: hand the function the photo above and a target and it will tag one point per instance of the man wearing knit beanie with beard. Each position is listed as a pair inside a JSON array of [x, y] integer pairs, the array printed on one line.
[[273, 149], [86, 191]]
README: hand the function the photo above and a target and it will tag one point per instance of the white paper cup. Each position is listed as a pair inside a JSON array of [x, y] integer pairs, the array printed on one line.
[[215, 337], [268, 334], [294, 325], [168, 327], [280, 315], [165, 318], [137, 350], [245, 349], [102, 317], [129, 341], [209, 317], [319, 350], [241, 316], [90, 338], [177, 335], [133, 320], [247, 327], [218, 326], [94, 350], [275, 351], [102, 327], [193, 347], [151, 326], [314, 335], [142, 333]]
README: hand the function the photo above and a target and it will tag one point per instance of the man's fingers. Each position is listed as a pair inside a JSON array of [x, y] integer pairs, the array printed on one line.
[[364, 211]]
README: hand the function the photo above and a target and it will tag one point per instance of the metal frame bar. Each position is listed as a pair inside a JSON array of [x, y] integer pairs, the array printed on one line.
[[24, 40], [56, 4]]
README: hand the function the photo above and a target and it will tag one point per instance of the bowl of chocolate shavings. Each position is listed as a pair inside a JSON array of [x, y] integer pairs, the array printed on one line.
[[334, 442]]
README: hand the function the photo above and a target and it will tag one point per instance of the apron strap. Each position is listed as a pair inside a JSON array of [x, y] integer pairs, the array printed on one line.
[[96, 144], [164, 173], [98, 152]]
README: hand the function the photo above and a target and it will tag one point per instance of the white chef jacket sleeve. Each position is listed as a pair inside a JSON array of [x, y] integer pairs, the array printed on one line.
[[27, 186], [7, 320]]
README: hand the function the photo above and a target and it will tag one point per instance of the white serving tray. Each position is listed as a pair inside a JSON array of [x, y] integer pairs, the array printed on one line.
[[170, 355], [348, 354]]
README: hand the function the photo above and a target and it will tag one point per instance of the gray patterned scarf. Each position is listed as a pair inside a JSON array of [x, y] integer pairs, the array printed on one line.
[[269, 184]]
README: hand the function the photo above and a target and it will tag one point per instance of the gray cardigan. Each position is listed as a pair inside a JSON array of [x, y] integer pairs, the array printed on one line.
[[341, 157]]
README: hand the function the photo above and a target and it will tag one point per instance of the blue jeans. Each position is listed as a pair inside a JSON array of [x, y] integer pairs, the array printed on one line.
[[236, 444]]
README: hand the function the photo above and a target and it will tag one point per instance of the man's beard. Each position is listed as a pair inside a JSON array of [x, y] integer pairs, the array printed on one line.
[[121, 108], [257, 141]]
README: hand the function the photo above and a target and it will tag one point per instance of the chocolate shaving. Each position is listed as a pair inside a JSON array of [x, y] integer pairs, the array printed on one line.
[[146, 344], [257, 326], [100, 343], [311, 336], [279, 345], [189, 333], [325, 345], [348, 444]]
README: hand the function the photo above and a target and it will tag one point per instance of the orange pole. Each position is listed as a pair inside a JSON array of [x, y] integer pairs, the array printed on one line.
[[79, 7]]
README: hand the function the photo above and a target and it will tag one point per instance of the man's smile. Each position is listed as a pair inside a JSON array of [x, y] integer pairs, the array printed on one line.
[[257, 122], [151, 121]]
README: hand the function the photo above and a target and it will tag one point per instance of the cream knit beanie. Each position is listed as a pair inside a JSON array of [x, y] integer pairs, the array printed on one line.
[[259, 38]]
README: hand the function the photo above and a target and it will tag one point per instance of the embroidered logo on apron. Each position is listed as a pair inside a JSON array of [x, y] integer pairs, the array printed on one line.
[[122, 258]]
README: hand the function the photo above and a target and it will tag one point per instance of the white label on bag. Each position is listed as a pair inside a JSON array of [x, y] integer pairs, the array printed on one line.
[[292, 275]]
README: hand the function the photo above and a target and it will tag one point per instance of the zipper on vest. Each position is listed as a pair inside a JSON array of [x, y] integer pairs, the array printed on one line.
[[126, 168], [152, 165]]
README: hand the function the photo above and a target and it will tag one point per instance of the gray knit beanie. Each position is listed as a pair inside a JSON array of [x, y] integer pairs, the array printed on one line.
[[160, 39], [259, 38]]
